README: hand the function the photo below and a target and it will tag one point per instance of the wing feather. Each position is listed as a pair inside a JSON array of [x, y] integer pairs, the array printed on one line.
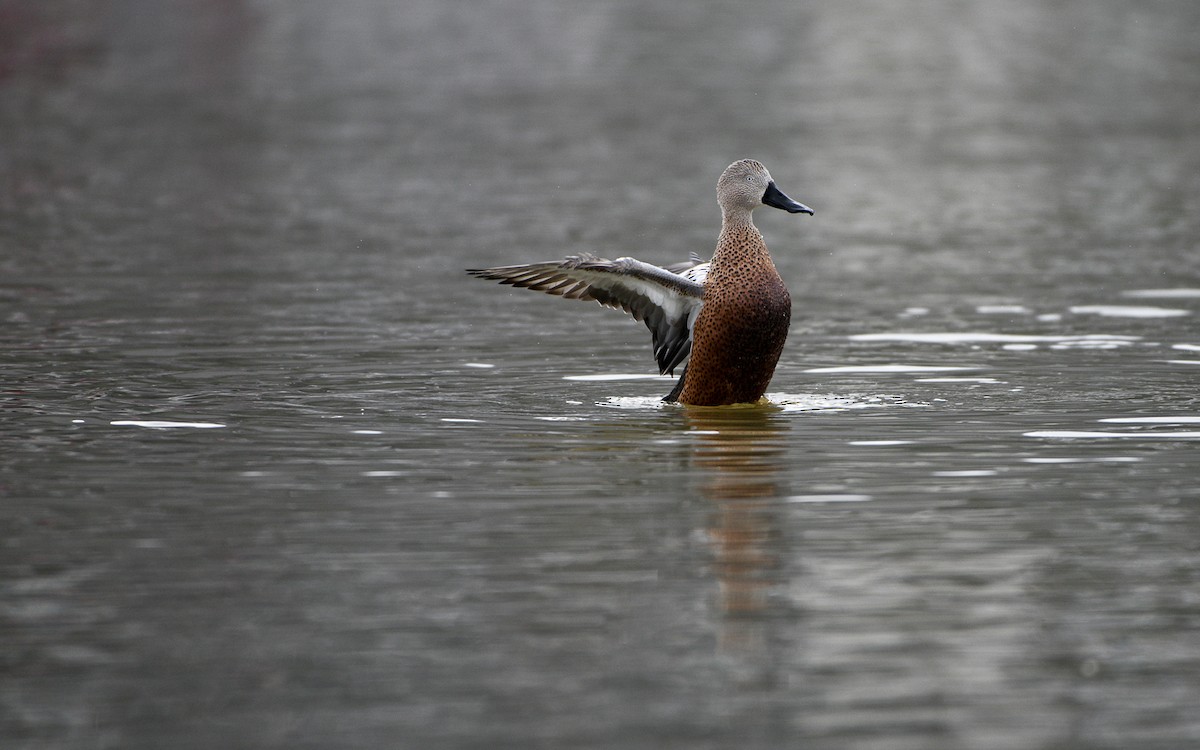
[[666, 301], [694, 268]]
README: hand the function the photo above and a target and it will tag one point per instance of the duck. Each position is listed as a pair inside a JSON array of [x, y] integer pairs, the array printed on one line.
[[725, 320]]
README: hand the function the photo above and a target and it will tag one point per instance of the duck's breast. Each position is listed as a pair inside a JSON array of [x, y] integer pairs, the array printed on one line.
[[738, 337]]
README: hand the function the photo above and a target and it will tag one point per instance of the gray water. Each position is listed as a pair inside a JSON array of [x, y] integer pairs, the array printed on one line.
[[275, 473]]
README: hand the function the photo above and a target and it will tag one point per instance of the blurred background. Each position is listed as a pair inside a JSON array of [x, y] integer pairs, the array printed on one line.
[[274, 472]]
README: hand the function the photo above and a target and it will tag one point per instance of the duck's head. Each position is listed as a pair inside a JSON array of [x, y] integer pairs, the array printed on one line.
[[745, 185]]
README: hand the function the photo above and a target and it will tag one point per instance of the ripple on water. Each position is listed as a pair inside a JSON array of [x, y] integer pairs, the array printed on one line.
[[607, 376], [1129, 311], [1098, 435], [1153, 420], [986, 381], [159, 424], [847, 498], [966, 473], [1081, 459], [824, 402], [1181, 293], [888, 369], [1002, 310], [1107, 342], [787, 402], [636, 403], [1137, 433], [987, 337]]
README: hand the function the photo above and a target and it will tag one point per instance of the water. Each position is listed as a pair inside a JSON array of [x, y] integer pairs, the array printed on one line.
[[276, 473]]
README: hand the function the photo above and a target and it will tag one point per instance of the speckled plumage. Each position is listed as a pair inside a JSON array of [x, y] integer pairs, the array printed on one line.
[[731, 314], [742, 324]]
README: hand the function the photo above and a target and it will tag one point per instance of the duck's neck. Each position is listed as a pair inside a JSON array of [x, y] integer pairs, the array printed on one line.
[[736, 218], [739, 236]]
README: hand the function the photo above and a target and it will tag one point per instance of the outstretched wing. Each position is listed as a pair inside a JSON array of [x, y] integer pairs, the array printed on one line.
[[666, 302]]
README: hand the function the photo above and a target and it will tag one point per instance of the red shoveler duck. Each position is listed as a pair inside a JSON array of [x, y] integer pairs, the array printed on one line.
[[731, 314]]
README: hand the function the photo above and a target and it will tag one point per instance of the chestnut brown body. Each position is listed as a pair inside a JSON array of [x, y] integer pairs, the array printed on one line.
[[741, 328]]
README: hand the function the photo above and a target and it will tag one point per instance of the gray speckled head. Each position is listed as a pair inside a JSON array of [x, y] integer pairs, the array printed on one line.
[[742, 186], [745, 185]]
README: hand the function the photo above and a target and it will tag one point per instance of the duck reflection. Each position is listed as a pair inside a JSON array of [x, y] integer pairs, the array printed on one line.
[[741, 452]]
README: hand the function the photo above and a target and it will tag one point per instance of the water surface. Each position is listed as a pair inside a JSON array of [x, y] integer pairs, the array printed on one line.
[[275, 473]]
